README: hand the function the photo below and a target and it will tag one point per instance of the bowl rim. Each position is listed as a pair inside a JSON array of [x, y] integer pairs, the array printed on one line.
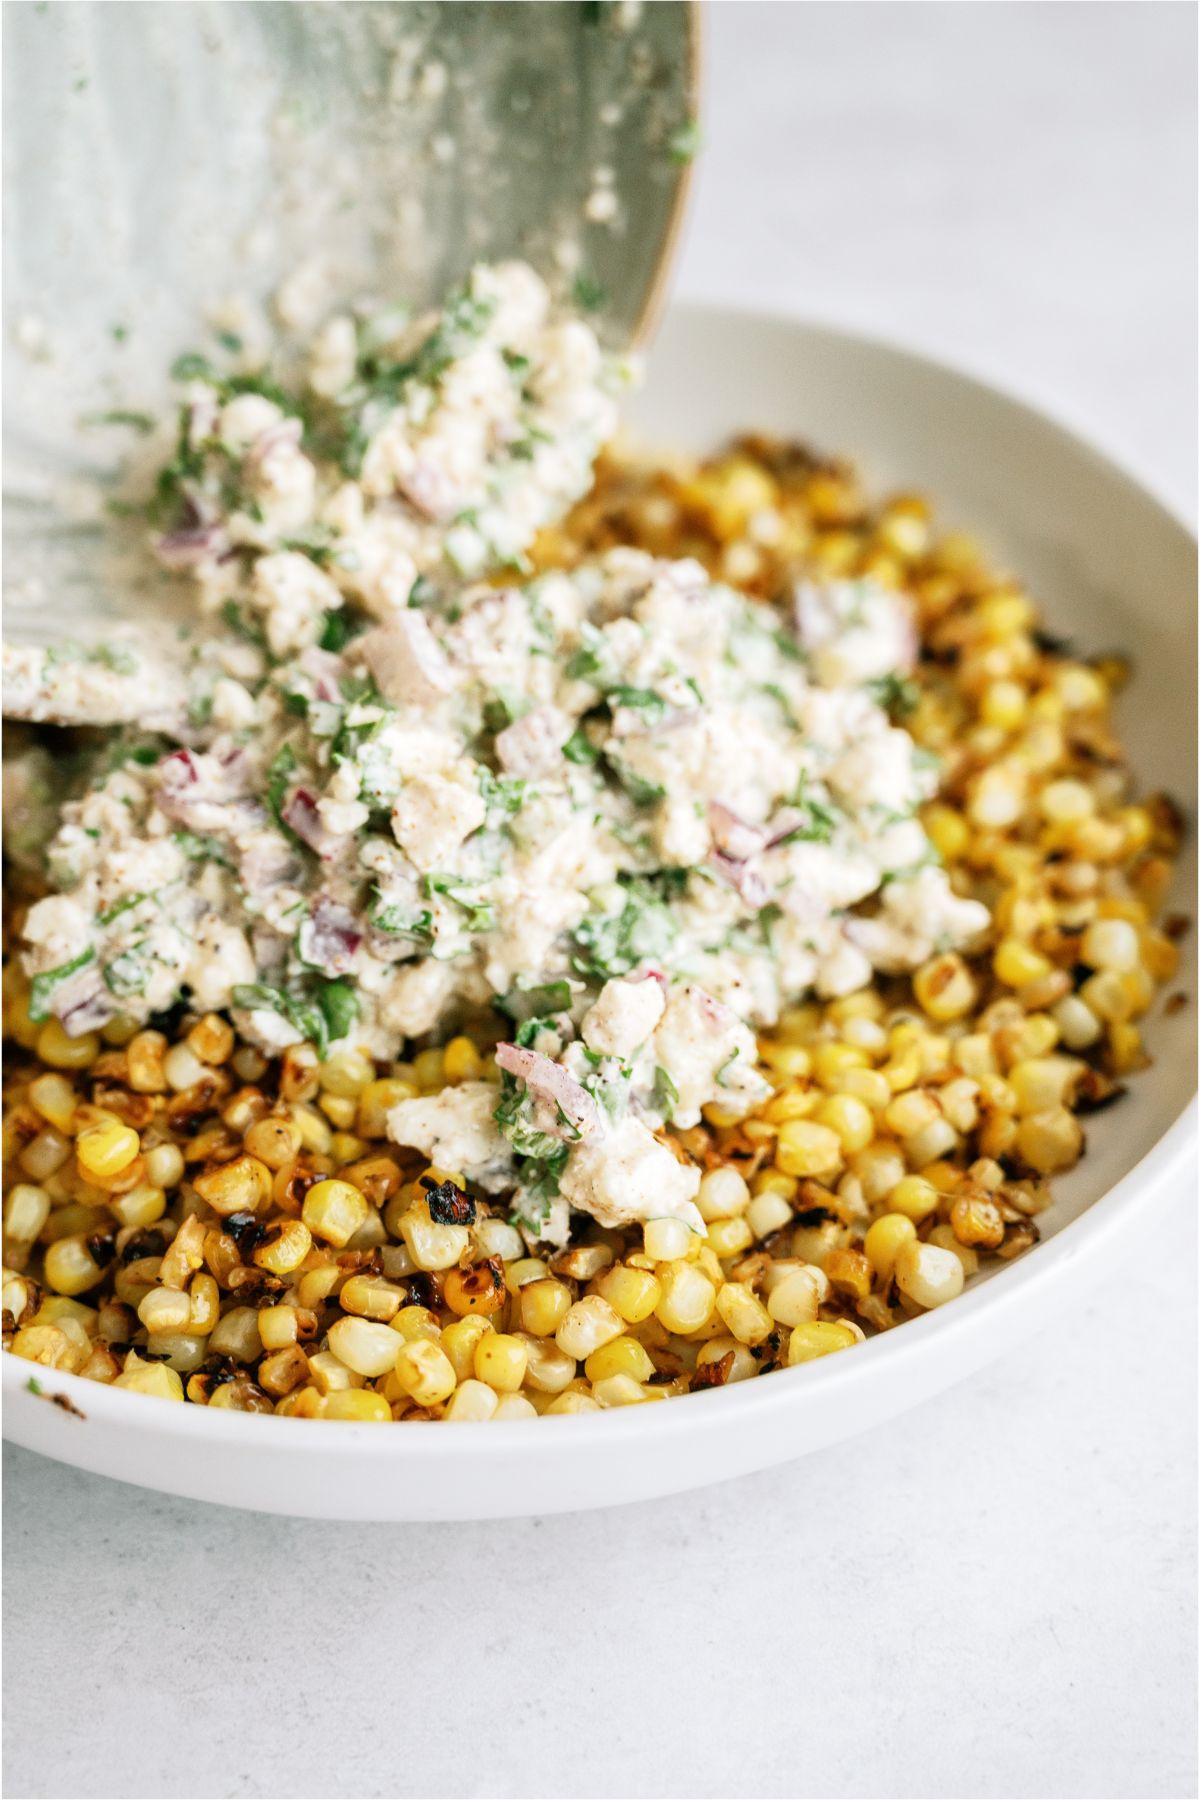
[[1081, 1240]]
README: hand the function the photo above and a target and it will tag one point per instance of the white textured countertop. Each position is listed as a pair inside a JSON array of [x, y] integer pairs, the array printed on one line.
[[993, 1595]]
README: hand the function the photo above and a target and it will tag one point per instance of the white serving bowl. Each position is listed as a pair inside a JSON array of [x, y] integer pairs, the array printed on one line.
[[1111, 567]]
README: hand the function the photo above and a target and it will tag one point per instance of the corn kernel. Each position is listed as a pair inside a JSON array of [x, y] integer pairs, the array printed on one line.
[[55, 1099], [360, 1406], [623, 1356], [70, 1267], [729, 1237], [432, 1246], [62, 1052], [884, 1240], [633, 1294], [501, 1361], [459, 1339], [820, 1338], [806, 1149], [618, 1390], [543, 1306], [334, 1211], [743, 1313], [106, 1149], [666, 1240], [472, 1401], [26, 1210], [927, 1274], [590, 1323]]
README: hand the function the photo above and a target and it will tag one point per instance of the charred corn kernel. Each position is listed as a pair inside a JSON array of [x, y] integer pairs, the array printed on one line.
[[370, 1297], [927, 1274], [432, 1246], [165, 1309], [212, 1039], [742, 1361], [459, 1340], [688, 1298], [359, 1406], [805, 1148], [285, 1249], [792, 1060], [183, 1068], [62, 1052], [243, 1185], [945, 987], [850, 1272], [164, 1165], [472, 1401], [70, 1268], [274, 1140], [278, 1326], [461, 1061], [623, 1356], [549, 1370], [285, 1369], [543, 1306], [26, 1209], [666, 1240], [501, 1361], [767, 1212], [55, 1099], [729, 1237], [743, 1313], [590, 1323], [1050, 1140], [632, 1293], [364, 1346], [106, 1149], [330, 1374], [375, 1102], [818, 1337], [974, 1219], [145, 1057], [884, 1240], [959, 1101], [914, 1198], [153, 1378], [850, 1119], [723, 1194], [50, 1346], [334, 1211], [526, 1269]]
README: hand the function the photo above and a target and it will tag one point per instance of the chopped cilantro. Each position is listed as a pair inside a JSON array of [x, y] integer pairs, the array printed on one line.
[[896, 694], [666, 1094], [686, 141], [44, 984], [120, 415], [643, 931], [589, 294], [579, 749]]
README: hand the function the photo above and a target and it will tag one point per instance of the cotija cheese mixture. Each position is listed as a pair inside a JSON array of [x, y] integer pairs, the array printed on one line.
[[505, 963]]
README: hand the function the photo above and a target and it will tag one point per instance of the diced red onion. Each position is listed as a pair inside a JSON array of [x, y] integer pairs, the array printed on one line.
[[300, 814], [734, 836], [745, 880], [330, 936], [550, 1082]]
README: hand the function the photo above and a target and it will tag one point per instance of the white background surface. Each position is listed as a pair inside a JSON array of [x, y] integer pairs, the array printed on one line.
[[995, 1594]]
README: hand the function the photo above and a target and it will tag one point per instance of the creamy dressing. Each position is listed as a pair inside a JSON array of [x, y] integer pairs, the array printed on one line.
[[632, 810]]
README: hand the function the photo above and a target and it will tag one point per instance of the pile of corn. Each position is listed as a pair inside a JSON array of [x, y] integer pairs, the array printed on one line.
[[184, 1219]]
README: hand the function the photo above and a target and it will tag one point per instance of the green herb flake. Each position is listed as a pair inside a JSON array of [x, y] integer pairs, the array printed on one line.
[[44, 985]]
